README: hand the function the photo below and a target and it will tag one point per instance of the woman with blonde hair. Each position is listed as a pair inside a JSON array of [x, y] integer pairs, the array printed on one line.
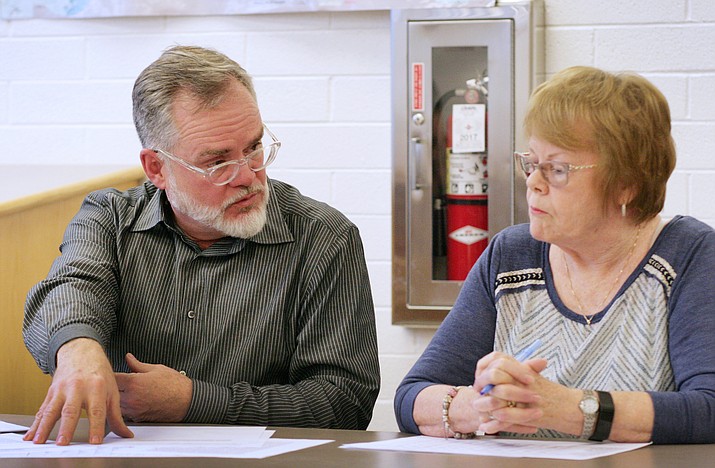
[[620, 299]]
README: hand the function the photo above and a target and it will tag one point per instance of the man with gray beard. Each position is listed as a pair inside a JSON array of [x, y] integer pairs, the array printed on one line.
[[211, 293]]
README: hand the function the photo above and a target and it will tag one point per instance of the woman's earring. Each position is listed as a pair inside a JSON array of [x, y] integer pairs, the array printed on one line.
[[623, 210]]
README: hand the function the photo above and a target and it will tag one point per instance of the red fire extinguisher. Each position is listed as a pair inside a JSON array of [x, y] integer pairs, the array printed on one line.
[[467, 181]]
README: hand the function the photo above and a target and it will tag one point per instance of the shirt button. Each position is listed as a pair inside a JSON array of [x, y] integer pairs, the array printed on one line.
[[191, 314], [182, 372]]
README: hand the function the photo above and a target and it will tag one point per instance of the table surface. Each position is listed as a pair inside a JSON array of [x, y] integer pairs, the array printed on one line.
[[332, 455]]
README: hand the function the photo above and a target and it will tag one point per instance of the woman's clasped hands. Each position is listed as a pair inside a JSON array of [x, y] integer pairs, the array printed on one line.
[[516, 401]]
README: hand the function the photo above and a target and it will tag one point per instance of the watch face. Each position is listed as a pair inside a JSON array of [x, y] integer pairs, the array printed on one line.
[[589, 405]]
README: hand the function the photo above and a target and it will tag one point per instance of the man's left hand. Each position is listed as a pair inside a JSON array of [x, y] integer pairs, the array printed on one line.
[[153, 392]]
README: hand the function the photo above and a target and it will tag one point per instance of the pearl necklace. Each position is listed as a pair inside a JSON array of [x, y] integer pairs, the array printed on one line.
[[588, 318]]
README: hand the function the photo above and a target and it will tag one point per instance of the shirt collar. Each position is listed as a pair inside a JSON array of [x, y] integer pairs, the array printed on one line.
[[152, 213], [275, 231]]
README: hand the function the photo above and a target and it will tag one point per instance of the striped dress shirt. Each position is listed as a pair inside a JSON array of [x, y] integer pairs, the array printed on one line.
[[275, 330]]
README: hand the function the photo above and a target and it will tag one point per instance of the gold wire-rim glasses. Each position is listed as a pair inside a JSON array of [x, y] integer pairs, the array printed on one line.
[[556, 173]]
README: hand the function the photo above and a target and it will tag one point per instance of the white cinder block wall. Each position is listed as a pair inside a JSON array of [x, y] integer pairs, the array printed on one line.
[[323, 85]]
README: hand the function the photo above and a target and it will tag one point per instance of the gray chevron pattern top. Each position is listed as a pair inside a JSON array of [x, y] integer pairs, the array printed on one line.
[[656, 335], [626, 349]]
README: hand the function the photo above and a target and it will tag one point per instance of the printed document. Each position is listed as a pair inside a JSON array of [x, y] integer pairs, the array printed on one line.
[[501, 447], [162, 442]]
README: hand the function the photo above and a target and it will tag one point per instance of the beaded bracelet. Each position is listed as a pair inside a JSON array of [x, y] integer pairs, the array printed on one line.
[[446, 402]]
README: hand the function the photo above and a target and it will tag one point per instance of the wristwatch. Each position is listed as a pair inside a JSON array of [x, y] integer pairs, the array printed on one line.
[[589, 407]]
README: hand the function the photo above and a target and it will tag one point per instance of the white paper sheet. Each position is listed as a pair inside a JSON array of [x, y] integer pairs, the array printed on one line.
[[245, 436], [10, 427], [165, 442], [497, 447]]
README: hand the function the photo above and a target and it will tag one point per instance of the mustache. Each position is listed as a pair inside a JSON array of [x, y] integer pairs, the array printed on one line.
[[243, 192]]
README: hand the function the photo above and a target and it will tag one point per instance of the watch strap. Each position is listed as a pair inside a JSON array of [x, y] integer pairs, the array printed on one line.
[[605, 417], [590, 397]]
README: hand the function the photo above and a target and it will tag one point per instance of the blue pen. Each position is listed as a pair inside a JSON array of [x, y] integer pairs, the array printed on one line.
[[523, 355]]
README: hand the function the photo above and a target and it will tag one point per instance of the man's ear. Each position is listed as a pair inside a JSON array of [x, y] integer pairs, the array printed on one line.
[[153, 167]]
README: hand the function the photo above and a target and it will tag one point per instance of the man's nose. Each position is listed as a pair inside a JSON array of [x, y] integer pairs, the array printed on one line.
[[244, 176]]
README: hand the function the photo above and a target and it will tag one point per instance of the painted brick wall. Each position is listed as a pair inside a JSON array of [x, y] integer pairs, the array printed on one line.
[[323, 86]]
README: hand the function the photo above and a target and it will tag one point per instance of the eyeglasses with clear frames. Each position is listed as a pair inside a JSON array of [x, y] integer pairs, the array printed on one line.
[[224, 173], [556, 173]]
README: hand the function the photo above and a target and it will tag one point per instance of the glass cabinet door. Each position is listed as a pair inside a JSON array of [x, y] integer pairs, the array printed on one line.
[[461, 79], [460, 155]]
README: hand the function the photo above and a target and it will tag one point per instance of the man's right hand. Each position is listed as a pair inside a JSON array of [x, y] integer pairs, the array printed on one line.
[[84, 379]]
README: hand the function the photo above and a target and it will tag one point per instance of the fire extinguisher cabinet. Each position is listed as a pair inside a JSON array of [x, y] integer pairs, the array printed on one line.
[[461, 79]]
